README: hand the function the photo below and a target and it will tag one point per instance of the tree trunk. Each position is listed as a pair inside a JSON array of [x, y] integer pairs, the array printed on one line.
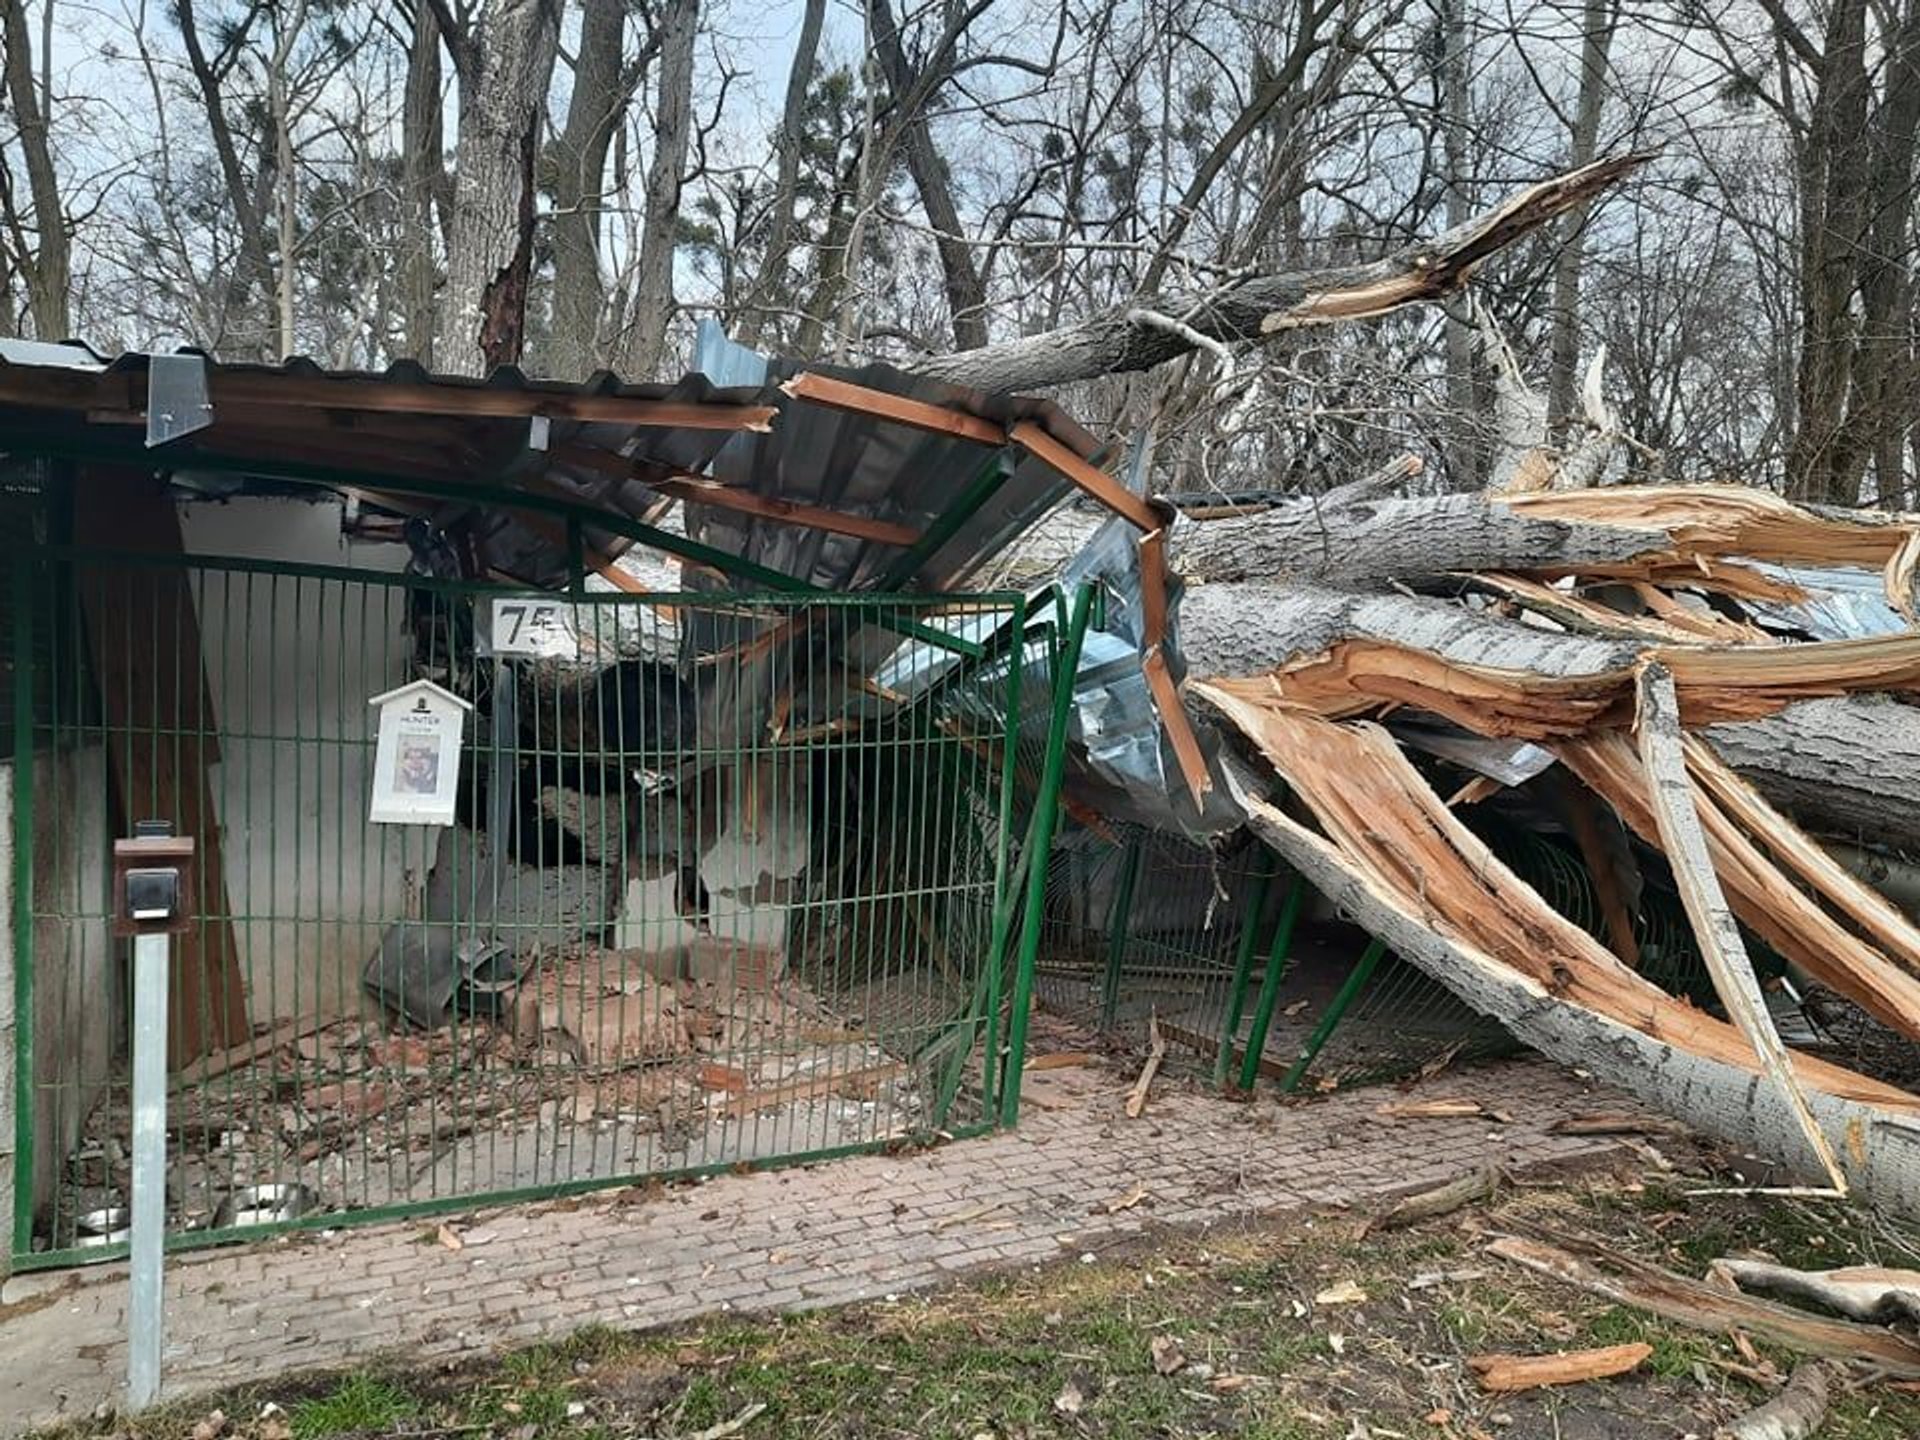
[[966, 294], [666, 172], [1834, 175], [255, 275], [1847, 766], [1466, 458], [1405, 540], [580, 167], [505, 63], [1700, 1081], [770, 289], [1598, 19], [1116, 341], [47, 269], [422, 177]]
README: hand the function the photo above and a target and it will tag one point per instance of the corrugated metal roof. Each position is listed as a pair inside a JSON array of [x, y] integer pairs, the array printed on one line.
[[381, 431]]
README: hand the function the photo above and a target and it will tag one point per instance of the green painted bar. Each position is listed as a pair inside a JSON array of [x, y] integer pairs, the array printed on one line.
[[1336, 1012], [1242, 967], [1047, 812], [1277, 953]]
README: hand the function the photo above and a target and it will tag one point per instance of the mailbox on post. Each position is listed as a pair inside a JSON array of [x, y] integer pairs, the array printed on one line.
[[152, 887]]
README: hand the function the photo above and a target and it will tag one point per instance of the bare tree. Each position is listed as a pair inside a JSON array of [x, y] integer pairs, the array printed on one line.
[[39, 245]]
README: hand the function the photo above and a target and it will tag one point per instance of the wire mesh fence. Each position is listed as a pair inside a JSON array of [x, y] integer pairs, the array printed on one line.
[[1219, 948], [728, 879]]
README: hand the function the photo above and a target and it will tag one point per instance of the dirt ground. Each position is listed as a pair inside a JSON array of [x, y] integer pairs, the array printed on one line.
[[1289, 1327]]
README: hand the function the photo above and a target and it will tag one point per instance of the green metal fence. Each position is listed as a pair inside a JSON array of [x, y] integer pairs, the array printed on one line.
[[1218, 947], [732, 879]]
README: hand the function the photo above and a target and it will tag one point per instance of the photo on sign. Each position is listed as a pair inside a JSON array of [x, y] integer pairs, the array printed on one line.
[[416, 768]]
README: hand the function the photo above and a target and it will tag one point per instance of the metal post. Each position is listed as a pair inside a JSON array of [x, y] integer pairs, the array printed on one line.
[[144, 1319], [1336, 1011], [1277, 953], [1046, 815], [1242, 967], [152, 878], [20, 1221], [1117, 934]]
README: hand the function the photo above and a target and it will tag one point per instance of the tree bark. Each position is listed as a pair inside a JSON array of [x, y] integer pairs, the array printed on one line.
[[48, 268], [1405, 540], [666, 172], [1847, 766], [580, 167], [1834, 177], [505, 63], [1116, 342], [423, 177]]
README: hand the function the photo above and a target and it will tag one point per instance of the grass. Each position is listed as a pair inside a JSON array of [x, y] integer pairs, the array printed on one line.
[[1069, 1350], [361, 1403]]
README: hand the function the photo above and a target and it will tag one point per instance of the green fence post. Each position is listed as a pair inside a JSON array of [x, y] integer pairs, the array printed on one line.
[[1006, 873], [22, 916], [1336, 1011], [1117, 934], [1242, 967], [1277, 953], [1046, 815]]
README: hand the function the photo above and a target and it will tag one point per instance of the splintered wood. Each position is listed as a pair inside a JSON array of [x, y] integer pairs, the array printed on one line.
[[1611, 627]]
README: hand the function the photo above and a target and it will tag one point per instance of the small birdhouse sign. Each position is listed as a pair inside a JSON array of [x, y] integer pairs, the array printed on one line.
[[416, 765]]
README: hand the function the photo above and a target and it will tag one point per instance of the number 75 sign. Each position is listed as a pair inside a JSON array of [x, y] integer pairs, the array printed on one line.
[[532, 626]]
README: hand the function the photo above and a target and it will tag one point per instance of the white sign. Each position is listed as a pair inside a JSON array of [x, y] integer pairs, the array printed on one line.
[[530, 625], [416, 764]]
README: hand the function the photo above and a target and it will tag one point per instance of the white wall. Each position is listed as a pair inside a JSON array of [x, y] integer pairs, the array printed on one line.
[[290, 665]]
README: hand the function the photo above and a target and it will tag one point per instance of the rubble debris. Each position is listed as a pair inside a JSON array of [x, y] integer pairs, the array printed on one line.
[[1500, 1374], [1627, 1281]]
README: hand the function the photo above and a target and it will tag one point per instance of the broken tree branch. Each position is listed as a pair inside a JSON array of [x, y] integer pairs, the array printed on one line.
[[1796, 1413], [1156, 1052], [1117, 341], [1870, 1294], [1627, 1281], [1670, 793]]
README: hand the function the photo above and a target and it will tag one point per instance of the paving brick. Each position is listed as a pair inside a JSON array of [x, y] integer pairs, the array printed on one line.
[[252, 1314]]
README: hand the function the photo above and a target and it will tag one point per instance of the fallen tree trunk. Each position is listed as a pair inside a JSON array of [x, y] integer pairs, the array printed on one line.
[[1136, 336], [1848, 767], [1398, 862]]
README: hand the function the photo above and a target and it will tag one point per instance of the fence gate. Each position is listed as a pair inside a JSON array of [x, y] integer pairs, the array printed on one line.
[[730, 880]]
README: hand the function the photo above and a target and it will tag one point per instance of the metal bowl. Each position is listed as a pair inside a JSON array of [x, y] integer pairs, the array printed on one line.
[[263, 1205], [109, 1225]]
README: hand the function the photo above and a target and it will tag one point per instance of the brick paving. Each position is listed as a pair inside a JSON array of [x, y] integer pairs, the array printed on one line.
[[848, 1230]]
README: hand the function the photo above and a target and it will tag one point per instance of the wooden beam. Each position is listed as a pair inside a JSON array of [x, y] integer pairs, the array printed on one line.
[[1086, 476], [478, 402], [788, 512], [901, 409], [161, 735], [700, 490]]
